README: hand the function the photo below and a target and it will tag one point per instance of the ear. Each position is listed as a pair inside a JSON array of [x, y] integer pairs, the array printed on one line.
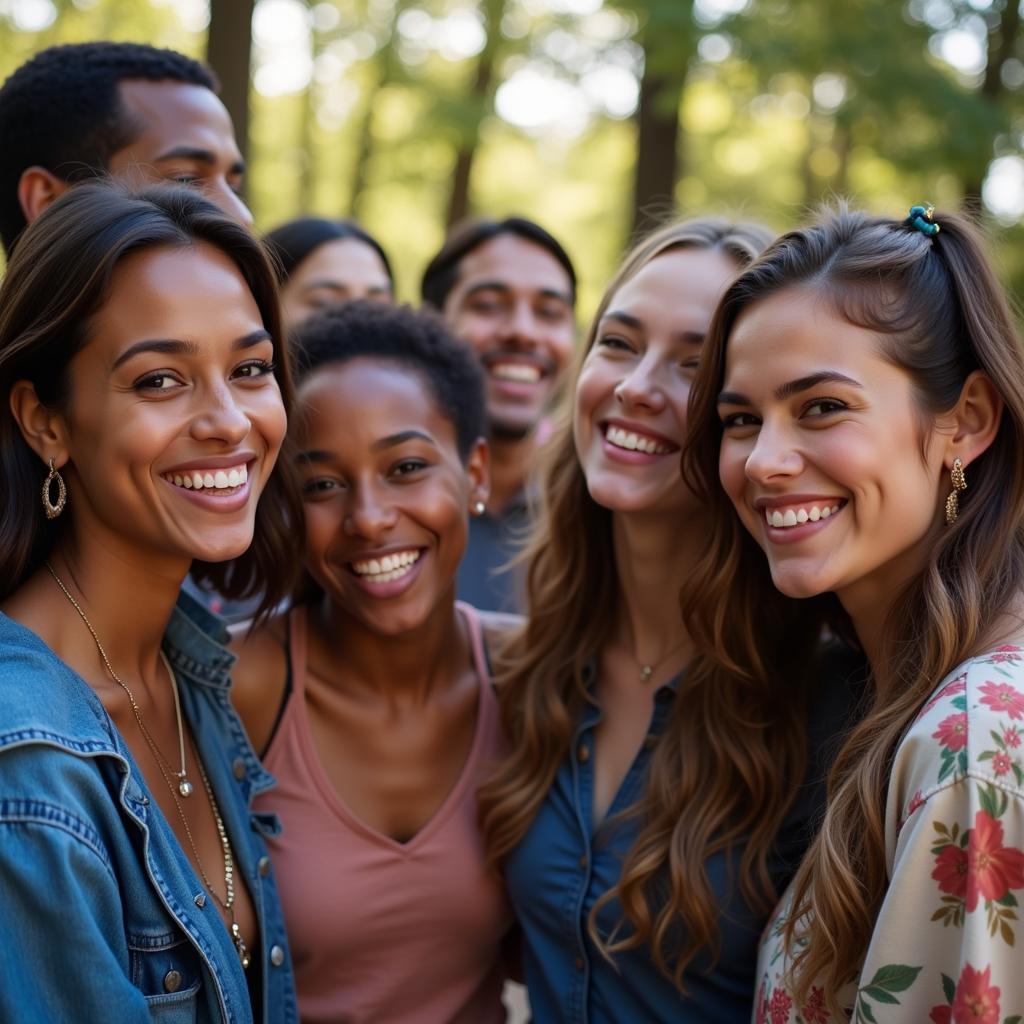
[[37, 188], [479, 472], [975, 419], [44, 430]]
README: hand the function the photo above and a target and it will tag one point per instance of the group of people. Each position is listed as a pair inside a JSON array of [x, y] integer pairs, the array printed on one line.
[[737, 737]]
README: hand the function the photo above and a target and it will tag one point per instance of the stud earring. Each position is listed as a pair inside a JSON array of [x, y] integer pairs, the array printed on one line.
[[956, 474], [479, 508], [54, 509]]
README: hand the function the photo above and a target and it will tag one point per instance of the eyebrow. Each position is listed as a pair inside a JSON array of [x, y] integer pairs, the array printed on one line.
[[502, 286], [690, 337], [175, 347], [392, 440], [793, 387], [204, 156]]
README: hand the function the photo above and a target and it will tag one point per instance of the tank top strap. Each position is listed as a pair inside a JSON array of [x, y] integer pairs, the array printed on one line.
[[297, 650]]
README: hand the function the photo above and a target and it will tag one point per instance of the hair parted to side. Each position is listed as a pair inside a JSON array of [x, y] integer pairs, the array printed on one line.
[[717, 772], [443, 270], [62, 111], [292, 243], [57, 280], [939, 313]]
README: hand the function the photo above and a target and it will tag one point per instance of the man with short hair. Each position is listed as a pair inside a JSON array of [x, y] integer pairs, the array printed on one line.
[[127, 109], [508, 289]]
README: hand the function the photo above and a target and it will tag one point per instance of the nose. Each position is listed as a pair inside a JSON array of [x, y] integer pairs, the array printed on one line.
[[642, 387], [221, 418], [773, 456], [369, 515], [231, 203], [521, 325]]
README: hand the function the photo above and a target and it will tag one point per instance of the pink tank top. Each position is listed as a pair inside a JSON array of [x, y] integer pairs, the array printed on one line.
[[382, 931]]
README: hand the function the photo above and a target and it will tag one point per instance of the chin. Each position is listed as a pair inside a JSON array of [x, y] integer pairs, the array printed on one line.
[[797, 584], [224, 550]]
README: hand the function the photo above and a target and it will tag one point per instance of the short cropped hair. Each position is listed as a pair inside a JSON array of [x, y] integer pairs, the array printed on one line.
[[61, 110], [294, 242], [414, 340], [443, 270]]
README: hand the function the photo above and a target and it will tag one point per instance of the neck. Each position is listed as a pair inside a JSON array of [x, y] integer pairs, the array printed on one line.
[[510, 462], [411, 666], [653, 558]]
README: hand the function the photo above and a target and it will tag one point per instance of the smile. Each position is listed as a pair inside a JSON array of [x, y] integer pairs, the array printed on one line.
[[204, 479], [387, 569], [783, 518], [634, 442], [518, 373]]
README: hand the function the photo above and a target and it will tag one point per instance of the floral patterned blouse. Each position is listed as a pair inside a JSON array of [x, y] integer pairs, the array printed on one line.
[[948, 945]]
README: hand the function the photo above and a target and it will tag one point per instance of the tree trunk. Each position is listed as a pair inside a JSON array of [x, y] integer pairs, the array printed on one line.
[[229, 52], [1002, 44], [657, 151]]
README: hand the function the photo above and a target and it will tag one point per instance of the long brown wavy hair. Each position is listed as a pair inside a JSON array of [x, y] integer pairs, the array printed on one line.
[[939, 314], [722, 771]]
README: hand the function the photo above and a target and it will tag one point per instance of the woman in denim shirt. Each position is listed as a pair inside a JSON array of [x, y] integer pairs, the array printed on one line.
[[142, 382]]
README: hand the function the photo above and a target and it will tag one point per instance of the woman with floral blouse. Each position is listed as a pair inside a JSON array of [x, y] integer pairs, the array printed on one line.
[[862, 402]]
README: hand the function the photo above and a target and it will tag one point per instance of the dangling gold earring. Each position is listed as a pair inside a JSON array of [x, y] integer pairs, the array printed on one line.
[[959, 484], [53, 510]]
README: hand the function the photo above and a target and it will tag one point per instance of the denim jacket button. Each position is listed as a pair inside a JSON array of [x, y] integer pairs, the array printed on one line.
[[276, 956], [172, 981], [583, 754], [238, 767], [263, 866]]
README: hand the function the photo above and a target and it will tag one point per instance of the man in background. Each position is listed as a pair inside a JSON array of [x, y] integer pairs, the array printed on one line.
[[133, 111], [508, 289]]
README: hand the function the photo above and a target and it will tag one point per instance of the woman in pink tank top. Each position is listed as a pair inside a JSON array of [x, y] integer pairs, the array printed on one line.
[[370, 699]]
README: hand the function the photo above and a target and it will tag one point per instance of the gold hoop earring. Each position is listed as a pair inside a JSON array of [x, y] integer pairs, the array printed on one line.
[[956, 474], [54, 509]]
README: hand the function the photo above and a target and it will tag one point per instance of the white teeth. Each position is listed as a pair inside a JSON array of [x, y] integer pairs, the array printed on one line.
[[221, 479], [520, 372], [634, 442], [797, 517], [390, 567]]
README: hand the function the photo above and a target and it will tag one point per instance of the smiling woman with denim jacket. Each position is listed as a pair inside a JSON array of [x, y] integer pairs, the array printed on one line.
[[143, 383]]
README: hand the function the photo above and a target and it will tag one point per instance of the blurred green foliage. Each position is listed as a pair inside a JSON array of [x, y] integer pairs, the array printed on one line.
[[361, 106]]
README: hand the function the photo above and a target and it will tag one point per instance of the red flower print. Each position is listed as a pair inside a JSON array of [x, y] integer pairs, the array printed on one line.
[[976, 1000], [1002, 697], [992, 869], [957, 686], [814, 1011], [1011, 736], [780, 1006], [952, 731], [915, 801], [1001, 763], [762, 1006], [951, 870], [941, 1015], [1005, 653]]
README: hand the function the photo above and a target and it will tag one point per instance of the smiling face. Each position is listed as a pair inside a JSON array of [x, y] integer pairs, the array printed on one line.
[[186, 136], [629, 417], [174, 417], [386, 494], [334, 272], [822, 451], [513, 303]]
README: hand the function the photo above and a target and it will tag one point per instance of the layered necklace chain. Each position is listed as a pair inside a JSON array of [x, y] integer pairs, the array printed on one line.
[[177, 782], [648, 670]]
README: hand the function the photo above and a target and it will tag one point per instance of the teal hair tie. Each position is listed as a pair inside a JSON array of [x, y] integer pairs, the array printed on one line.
[[921, 218]]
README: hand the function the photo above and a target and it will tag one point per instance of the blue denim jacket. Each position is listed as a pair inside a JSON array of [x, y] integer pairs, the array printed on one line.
[[102, 917]]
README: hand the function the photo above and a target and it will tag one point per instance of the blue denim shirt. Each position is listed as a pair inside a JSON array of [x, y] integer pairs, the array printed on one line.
[[102, 917], [561, 867]]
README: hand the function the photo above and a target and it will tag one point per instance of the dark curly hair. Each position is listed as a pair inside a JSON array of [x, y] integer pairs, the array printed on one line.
[[443, 270], [61, 110], [417, 341]]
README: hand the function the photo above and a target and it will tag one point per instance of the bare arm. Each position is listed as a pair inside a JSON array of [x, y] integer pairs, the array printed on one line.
[[258, 679]]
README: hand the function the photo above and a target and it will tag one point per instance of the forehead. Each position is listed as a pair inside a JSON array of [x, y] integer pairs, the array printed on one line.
[[173, 114], [793, 333], [515, 263], [343, 259], [677, 281]]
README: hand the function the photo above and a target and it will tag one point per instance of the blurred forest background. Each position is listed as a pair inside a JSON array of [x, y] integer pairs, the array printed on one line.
[[594, 116]]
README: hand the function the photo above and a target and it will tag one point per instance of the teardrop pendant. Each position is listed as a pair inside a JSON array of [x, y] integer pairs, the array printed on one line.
[[185, 787], [645, 672]]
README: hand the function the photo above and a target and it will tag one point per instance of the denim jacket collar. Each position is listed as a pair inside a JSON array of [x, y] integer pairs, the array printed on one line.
[[195, 643]]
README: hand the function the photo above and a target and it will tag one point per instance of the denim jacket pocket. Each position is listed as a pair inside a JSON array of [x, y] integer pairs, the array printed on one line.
[[166, 969]]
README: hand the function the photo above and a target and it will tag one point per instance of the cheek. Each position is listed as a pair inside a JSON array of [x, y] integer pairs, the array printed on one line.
[[560, 345], [266, 411], [322, 521], [732, 460]]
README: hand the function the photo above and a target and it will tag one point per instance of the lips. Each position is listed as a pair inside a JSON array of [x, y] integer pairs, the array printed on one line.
[[637, 441], [199, 479], [787, 516], [386, 568]]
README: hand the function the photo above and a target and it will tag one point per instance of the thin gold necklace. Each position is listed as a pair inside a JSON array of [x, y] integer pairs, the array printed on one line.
[[228, 903], [648, 670]]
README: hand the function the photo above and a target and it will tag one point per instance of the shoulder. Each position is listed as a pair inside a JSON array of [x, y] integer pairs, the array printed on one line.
[[496, 628], [259, 675]]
